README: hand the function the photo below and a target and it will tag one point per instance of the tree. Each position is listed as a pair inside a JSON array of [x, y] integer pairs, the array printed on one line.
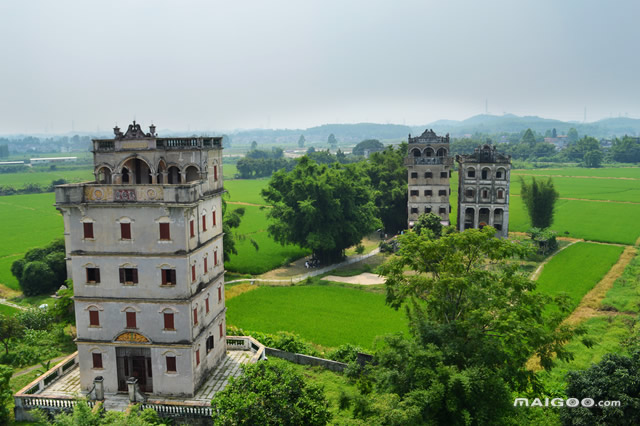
[[615, 378], [270, 393], [254, 145], [301, 141], [83, 415], [370, 145], [572, 135], [319, 207], [6, 396], [626, 150], [475, 320], [10, 329], [554, 133], [332, 141], [388, 176], [578, 150], [37, 278], [311, 150], [539, 197], [528, 138], [593, 158], [430, 223]]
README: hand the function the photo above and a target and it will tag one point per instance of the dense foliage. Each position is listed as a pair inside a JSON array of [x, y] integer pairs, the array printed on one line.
[[323, 208], [83, 415], [270, 394], [370, 145], [6, 396], [41, 270], [475, 321], [539, 198], [615, 378]]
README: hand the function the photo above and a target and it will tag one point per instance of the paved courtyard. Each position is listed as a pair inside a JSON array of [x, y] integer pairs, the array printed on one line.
[[69, 384]]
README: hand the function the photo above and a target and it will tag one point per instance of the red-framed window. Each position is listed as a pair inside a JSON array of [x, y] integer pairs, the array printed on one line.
[[193, 273], [192, 228], [205, 265], [165, 232], [97, 360], [128, 276], [204, 223], [195, 316], [206, 305], [215, 172], [93, 275], [215, 257], [168, 321], [219, 294], [221, 330], [131, 320], [168, 277], [197, 357], [94, 318], [171, 364], [214, 218], [88, 229], [125, 231]]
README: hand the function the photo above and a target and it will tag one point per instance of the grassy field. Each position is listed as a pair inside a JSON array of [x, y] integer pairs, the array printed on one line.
[[7, 310], [18, 180], [246, 190], [576, 269], [32, 221], [590, 189], [229, 171], [625, 172], [323, 314], [270, 254], [625, 294]]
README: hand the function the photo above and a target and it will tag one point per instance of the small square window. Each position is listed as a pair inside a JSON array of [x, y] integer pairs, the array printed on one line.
[[442, 210], [209, 344], [93, 275], [415, 192], [171, 364], [168, 277], [444, 175], [485, 193], [471, 173], [427, 209], [469, 193], [414, 175], [428, 193], [128, 276], [442, 192], [414, 210], [428, 175]]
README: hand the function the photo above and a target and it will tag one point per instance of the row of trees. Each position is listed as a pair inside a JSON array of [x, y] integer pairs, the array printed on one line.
[[31, 188]]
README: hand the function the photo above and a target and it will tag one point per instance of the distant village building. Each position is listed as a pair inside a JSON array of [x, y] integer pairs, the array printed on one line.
[[46, 160], [429, 165], [144, 250], [483, 190]]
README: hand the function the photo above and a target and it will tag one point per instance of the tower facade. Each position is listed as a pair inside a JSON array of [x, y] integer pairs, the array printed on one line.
[[144, 250], [429, 171], [483, 190]]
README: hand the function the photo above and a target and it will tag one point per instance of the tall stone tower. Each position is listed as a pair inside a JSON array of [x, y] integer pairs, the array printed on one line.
[[144, 249], [483, 190], [429, 168]]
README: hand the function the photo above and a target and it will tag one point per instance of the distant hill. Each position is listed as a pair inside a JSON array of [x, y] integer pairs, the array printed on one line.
[[510, 123]]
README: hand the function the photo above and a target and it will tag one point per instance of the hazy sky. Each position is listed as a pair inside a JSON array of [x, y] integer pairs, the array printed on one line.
[[221, 65]]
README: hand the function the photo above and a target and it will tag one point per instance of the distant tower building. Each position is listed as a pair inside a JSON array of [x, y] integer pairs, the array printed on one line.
[[429, 168], [144, 249], [483, 190]]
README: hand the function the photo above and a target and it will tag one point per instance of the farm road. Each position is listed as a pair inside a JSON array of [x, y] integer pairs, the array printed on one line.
[[13, 305]]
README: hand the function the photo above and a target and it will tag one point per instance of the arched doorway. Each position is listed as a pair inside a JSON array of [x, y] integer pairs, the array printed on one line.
[[192, 174], [104, 175], [161, 171], [173, 175], [137, 172]]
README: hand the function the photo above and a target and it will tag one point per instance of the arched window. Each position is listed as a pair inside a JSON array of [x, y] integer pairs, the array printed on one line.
[[192, 174]]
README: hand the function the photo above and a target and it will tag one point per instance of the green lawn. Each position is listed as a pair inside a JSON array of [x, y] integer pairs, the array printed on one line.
[[270, 254], [625, 294], [30, 221], [7, 310], [590, 189], [18, 180], [607, 222], [246, 190], [323, 314], [628, 172], [576, 269]]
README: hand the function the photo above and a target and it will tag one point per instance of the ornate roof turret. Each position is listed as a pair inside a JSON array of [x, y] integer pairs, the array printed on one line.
[[429, 136]]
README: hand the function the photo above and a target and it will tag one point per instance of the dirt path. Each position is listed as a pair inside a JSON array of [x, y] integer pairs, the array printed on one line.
[[13, 305], [240, 203], [366, 278], [590, 303]]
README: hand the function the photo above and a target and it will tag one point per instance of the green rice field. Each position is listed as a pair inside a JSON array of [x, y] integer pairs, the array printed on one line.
[[246, 190], [587, 188], [30, 221], [18, 180], [323, 314], [625, 172], [577, 269]]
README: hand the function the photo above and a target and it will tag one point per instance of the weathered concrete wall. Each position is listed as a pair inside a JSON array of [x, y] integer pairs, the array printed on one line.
[[306, 359]]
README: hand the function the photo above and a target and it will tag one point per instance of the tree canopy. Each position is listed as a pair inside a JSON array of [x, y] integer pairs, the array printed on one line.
[[539, 197], [42, 269], [371, 145], [270, 393], [475, 320], [323, 208]]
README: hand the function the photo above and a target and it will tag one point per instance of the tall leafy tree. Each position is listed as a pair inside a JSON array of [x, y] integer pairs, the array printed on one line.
[[332, 141], [529, 138], [323, 208], [10, 329], [301, 141], [270, 393], [539, 197], [388, 176], [475, 320], [370, 145], [6, 396]]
